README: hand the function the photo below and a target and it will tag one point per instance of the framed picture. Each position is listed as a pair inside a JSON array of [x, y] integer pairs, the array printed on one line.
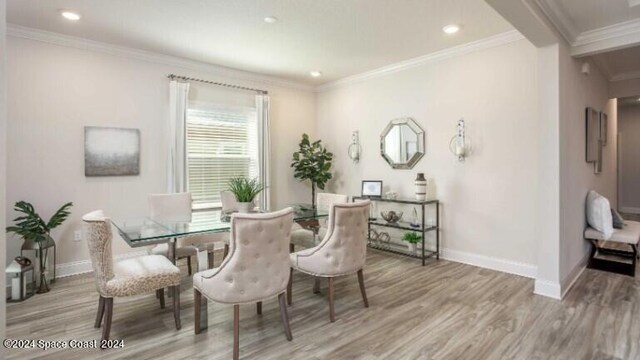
[[604, 122], [111, 151], [592, 134], [372, 188]]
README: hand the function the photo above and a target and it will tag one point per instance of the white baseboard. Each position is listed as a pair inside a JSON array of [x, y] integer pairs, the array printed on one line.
[[629, 210], [548, 288], [493, 263], [84, 266], [575, 273]]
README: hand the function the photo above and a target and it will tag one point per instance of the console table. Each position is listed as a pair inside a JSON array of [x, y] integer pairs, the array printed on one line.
[[404, 225]]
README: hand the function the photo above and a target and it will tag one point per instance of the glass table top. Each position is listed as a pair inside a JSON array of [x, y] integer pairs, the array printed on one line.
[[140, 231]]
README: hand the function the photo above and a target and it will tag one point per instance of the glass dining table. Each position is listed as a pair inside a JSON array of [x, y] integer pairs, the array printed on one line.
[[143, 231]]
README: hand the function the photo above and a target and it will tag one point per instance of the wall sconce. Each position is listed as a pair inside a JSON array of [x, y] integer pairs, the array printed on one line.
[[460, 145], [354, 149]]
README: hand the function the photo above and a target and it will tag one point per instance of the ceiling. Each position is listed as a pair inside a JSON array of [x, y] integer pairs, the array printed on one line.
[[620, 64], [337, 37], [629, 101], [586, 15]]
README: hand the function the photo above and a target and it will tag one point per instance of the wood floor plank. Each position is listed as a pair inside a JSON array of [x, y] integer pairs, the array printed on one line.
[[445, 310]]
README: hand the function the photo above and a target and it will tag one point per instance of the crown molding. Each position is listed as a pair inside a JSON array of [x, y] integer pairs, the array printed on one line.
[[607, 38], [559, 18], [492, 41], [632, 75], [148, 56]]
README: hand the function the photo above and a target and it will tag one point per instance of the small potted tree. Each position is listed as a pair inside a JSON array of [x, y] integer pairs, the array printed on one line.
[[412, 239], [245, 191], [32, 228], [312, 162]]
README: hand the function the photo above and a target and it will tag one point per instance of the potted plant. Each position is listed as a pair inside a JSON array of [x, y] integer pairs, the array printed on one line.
[[31, 227], [312, 162], [245, 191], [412, 239]]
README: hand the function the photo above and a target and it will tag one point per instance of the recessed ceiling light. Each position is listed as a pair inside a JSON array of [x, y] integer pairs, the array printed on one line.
[[271, 19], [71, 15], [315, 73], [451, 29]]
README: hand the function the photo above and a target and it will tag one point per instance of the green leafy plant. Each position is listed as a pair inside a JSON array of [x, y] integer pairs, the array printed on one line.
[[312, 162], [245, 189], [412, 237], [30, 226]]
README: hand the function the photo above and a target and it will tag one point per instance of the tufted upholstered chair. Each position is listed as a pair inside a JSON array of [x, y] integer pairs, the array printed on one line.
[[135, 276], [256, 269], [343, 250], [229, 204], [308, 238], [174, 208]]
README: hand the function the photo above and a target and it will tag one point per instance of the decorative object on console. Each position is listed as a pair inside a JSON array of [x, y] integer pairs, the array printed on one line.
[[391, 216], [373, 211], [391, 195], [354, 148], [371, 188], [414, 219], [111, 151], [379, 239], [245, 191], [37, 234], [412, 239], [21, 289], [402, 143], [312, 162], [460, 145], [421, 187]]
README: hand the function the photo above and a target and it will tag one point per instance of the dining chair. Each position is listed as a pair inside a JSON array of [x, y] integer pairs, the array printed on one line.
[[342, 251], [229, 205], [256, 269], [134, 276], [174, 208], [309, 238]]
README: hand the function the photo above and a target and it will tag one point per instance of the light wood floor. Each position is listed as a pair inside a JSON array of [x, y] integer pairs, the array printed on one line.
[[445, 310]]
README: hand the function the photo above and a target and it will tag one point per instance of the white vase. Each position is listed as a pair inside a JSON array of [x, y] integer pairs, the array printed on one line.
[[411, 247], [245, 207], [421, 187]]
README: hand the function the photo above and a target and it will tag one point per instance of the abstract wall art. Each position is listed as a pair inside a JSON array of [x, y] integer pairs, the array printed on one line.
[[111, 151]]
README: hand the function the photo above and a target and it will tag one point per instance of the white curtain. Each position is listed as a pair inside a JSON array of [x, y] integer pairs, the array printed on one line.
[[177, 174], [264, 144]]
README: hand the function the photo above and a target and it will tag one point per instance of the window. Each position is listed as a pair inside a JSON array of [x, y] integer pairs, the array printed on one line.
[[221, 143]]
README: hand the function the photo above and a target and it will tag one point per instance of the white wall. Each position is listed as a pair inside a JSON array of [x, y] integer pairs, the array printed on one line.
[[489, 202], [629, 158], [577, 92], [3, 169], [55, 91]]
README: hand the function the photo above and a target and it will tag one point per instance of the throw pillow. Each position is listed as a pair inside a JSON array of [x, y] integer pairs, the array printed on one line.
[[599, 214], [618, 221]]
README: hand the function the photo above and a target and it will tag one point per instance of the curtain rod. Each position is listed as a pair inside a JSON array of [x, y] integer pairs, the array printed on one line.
[[185, 78]]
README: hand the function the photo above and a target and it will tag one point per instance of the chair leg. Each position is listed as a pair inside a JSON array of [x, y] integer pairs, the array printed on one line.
[[100, 312], [176, 305], [160, 296], [285, 317], [225, 252], [316, 285], [290, 287], [332, 313], [236, 332], [189, 270], [362, 290], [108, 315], [210, 260], [259, 307]]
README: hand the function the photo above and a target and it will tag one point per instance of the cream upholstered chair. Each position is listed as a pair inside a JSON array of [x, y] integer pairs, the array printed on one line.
[[256, 269], [174, 208], [135, 276], [308, 238], [229, 205], [342, 251]]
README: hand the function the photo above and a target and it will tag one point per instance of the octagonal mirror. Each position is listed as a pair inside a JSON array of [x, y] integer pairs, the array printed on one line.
[[402, 143]]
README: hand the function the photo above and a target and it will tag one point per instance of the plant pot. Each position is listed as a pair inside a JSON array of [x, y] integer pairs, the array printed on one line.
[[245, 207], [411, 247]]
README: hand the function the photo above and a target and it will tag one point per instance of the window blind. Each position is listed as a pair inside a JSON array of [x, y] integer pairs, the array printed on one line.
[[221, 143]]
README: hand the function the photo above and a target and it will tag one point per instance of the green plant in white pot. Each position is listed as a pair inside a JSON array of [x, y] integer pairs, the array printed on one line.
[[412, 240], [245, 190]]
